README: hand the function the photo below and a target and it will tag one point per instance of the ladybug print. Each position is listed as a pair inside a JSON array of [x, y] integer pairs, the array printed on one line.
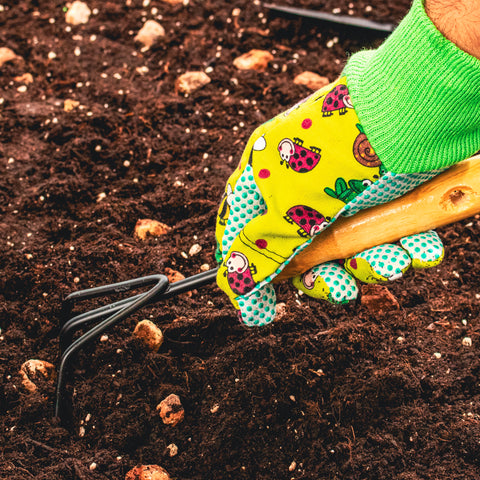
[[297, 157], [309, 220], [239, 273], [309, 278], [337, 99]]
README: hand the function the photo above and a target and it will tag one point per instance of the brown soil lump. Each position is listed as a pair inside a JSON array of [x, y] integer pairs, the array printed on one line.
[[171, 410]]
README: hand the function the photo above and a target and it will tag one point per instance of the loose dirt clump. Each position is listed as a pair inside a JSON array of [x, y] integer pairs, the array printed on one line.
[[94, 137]]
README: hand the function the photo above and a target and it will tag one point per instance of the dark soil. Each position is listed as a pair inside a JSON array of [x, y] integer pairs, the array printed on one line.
[[325, 392]]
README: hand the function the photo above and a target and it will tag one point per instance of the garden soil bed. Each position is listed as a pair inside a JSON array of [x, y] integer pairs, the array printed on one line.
[[326, 392]]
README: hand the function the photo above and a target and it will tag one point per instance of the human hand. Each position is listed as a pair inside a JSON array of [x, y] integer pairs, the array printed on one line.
[[336, 282], [299, 172], [314, 163]]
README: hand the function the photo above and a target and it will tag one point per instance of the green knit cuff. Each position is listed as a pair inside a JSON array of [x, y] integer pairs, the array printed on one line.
[[417, 97]]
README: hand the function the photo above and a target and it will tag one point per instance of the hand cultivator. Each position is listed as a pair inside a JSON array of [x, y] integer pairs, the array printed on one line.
[[451, 196], [109, 315]]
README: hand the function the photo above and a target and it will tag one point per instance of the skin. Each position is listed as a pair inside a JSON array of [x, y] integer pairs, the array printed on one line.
[[459, 21]]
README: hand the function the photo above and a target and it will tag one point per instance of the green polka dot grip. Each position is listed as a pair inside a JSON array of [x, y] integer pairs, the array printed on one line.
[[379, 264], [383, 263], [425, 249]]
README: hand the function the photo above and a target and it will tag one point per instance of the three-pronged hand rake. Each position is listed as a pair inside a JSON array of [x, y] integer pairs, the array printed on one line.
[[109, 315], [451, 196]]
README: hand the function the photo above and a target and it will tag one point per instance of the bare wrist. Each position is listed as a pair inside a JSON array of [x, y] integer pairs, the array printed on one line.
[[458, 21]]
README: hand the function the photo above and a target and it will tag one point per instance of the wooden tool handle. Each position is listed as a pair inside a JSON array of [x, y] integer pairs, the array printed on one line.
[[451, 196]]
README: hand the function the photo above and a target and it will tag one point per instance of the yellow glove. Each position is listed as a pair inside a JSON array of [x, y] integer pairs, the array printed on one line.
[[299, 172]]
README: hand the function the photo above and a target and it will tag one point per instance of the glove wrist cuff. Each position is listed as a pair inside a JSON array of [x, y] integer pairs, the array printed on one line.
[[417, 97]]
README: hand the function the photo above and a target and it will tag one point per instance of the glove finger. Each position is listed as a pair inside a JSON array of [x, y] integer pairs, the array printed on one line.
[[328, 281], [425, 249], [379, 264], [258, 309], [389, 262]]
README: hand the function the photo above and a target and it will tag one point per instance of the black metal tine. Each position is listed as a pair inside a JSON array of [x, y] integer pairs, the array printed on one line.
[[118, 311], [75, 323], [97, 330], [104, 290]]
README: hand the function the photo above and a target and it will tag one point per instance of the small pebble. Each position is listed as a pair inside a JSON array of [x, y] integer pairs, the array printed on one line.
[[173, 275], [147, 472], [150, 33], [254, 60], [69, 105], [142, 70], [467, 342], [437, 355], [36, 369], [194, 249], [172, 449], [6, 55], [191, 81], [78, 13], [26, 78], [147, 226], [149, 334], [311, 80], [171, 410], [280, 310]]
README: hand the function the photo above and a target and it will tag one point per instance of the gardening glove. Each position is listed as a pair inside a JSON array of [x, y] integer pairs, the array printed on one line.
[[300, 171], [336, 282], [324, 158]]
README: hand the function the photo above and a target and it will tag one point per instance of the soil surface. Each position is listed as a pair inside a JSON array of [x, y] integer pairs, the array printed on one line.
[[348, 392]]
